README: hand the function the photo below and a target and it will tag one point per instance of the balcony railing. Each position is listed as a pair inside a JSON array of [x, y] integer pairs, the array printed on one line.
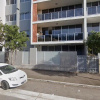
[[93, 10], [60, 37], [61, 14]]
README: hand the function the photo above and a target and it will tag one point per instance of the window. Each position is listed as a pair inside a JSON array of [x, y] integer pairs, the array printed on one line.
[[21, 0], [71, 48], [11, 1], [57, 30], [8, 2], [78, 29], [51, 48], [89, 29], [11, 17], [89, 4], [27, 0], [78, 6], [24, 16], [27, 15], [7, 18], [71, 11], [45, 31], [64, 48], [95, 27], [71, 32], [94, 3], [93, 7], [57, 48], [64, 29], [80, 49], [44, 48], [21, 16], [24, 0], [0, 73]]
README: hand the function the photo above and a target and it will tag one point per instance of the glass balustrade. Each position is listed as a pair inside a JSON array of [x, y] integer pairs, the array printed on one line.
[[61, 14], [93, 10], [60, 37]]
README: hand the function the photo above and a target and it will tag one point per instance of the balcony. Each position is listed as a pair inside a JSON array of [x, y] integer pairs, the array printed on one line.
[[60, 37], [61, 14], [93, 10]]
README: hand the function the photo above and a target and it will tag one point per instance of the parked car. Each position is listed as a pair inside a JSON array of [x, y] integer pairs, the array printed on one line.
[[11, 77]]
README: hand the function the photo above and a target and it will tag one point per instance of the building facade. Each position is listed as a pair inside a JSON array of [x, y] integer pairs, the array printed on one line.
[[17, 12], [53, 25], [63, 25]]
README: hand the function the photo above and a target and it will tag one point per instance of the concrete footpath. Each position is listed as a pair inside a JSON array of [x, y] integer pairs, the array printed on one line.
[[29, 95]]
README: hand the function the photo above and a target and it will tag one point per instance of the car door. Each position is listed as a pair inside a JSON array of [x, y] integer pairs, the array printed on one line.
[[1, 76]]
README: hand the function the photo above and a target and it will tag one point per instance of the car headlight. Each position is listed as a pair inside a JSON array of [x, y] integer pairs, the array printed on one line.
[[13, 79]]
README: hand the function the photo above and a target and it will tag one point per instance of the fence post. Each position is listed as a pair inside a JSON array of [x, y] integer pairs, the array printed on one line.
[[33, 56], [99, 62]]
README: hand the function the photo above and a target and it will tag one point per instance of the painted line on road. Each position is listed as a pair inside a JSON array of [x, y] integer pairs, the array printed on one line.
[[66, 83], [30, 95]]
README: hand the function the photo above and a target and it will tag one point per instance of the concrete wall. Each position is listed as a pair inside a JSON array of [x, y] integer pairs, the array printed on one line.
[[57, 61], [17, 58], [2, 57]]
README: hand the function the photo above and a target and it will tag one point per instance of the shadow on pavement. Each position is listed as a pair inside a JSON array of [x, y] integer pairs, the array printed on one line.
[[55, 73]]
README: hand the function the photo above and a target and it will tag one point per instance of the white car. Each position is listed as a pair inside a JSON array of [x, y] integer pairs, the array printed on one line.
[[11, 77]]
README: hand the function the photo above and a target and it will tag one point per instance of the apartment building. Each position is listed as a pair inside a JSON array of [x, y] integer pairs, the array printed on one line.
[[63, 25], [53, 25], [17, 12]]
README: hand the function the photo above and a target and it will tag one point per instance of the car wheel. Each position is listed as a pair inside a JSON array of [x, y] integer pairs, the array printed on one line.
[[4, 85]]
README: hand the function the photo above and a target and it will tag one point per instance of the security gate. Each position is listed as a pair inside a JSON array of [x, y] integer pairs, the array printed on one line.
[[88, 64]]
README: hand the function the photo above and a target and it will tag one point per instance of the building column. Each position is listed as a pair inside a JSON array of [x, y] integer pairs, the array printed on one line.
[[85, 19], [18, 13], [85, 25], [34, 28]]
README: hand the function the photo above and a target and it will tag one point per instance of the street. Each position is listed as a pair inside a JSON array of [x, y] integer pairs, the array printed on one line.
[[40, 90]]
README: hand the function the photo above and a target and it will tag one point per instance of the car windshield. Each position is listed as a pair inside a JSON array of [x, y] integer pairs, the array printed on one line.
[[8, 69]]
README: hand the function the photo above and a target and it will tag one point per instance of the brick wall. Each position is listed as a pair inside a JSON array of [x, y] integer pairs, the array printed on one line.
[[35, 25]]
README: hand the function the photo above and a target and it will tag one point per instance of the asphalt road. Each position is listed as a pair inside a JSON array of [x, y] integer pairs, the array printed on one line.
[[37, 90], [62, 90]]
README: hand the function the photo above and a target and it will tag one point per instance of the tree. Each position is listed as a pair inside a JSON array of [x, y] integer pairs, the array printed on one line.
[[93, 43], [1, 34], [14, 40]]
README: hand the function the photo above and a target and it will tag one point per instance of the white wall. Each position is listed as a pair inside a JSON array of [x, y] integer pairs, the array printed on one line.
[[2, 10]]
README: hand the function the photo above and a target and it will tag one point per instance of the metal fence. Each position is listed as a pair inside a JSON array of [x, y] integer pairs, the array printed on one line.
[[88, 64], [59, 61], [25, 57], [2, 57]]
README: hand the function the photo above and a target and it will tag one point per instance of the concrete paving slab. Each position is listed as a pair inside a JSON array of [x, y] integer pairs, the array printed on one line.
[[29, 95]]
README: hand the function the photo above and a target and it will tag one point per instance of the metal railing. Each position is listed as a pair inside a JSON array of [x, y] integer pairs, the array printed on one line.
[[60, 37], [93, 10], [61, 14]]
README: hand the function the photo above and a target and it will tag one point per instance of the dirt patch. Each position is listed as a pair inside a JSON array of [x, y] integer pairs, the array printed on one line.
[[81, 78]]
